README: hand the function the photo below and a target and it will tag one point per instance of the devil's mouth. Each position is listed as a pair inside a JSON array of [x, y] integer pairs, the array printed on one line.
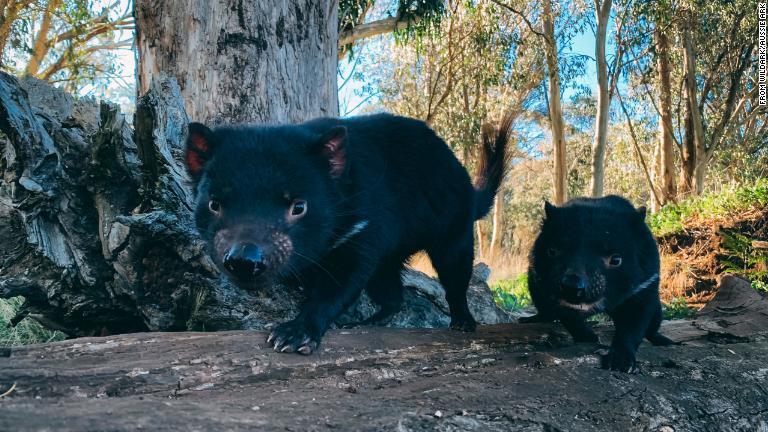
[[585, 308]]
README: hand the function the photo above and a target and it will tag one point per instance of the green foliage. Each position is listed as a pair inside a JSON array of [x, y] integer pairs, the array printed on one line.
[[760, 285], [511, 294], [737, 252], [742, 258], [671, 218], [73, 43], [600, 318], [352, 13], [422, 16], [28, 331], [677, 309]]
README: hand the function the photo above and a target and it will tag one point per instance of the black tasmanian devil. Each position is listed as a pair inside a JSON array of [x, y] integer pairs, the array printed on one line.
[[339, 205], [598, 255]]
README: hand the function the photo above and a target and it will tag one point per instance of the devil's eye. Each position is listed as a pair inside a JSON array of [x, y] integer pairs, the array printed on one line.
[[298, 208], [552, 252], [614, 260], [214, 206]]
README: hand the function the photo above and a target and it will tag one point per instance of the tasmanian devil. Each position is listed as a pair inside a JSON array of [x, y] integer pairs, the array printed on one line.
[[598, 255], [339, 205]]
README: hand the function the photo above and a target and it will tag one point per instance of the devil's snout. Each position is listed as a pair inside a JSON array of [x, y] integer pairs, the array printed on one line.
[[245, 261], [574, 284]]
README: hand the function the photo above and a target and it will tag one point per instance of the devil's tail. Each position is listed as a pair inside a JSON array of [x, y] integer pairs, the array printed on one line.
[[494, 160]]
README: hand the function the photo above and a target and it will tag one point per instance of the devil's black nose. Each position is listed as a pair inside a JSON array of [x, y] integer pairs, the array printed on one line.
[[245, 261], [574, 282]]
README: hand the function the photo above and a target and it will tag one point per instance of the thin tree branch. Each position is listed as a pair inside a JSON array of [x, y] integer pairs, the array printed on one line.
[[374, 28], [521, 15]]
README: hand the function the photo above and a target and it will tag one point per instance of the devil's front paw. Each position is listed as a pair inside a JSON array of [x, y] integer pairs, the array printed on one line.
[[294, 336], [619, 359]]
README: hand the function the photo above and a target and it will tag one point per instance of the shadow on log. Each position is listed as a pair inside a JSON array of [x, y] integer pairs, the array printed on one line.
[[96, 226], [505, 377]]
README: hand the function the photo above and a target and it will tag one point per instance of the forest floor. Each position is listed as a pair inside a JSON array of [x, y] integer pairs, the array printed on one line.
[[504, 377]]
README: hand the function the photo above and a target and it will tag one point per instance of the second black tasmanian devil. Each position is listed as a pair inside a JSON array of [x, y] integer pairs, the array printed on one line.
[[339, 205], [598, 255]]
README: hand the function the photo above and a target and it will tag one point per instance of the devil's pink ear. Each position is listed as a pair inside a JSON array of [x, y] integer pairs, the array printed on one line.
[[334, 150], [199, 149]]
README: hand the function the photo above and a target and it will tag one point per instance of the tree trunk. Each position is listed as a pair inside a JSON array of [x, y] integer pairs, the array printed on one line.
[[238, 61], [480, 239], [666, 166], [695, 127], [41, 45], [687, 186], [655, 176], [602, 16], [498, 215], [555, 107]]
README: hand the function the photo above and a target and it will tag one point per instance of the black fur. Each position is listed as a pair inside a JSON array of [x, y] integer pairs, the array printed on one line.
[[391, 175], [573, 274]]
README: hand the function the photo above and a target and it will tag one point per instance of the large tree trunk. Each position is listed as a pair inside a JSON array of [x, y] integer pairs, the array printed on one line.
[[687, 184], [555, 107], [694, 124], [602, 16], [666, 165], [239, 61]]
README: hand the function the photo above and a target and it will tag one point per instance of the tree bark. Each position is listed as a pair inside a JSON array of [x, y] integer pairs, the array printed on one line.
[[687, 184], [602, 16], [666, 165], [238, 61], [694, 124], [555, 107]]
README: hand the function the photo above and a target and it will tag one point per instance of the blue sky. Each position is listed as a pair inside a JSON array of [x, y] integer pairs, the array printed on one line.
[[582, 44]]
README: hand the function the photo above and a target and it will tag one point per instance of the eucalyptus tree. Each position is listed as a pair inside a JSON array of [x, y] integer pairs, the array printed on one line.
[[68, 42]]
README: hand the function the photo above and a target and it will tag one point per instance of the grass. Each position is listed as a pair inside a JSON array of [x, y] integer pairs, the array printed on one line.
[[677, 308], [671, 219], [511, 294], [28, 331], [760, 286]]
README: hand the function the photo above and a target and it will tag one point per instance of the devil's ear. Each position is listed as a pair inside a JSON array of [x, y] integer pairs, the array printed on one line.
[[641, 211], [199, 149], [549, 209], [333, 148]]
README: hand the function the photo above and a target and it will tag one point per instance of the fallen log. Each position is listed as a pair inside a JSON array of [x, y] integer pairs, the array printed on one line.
[[96, 228], [503, 377]]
